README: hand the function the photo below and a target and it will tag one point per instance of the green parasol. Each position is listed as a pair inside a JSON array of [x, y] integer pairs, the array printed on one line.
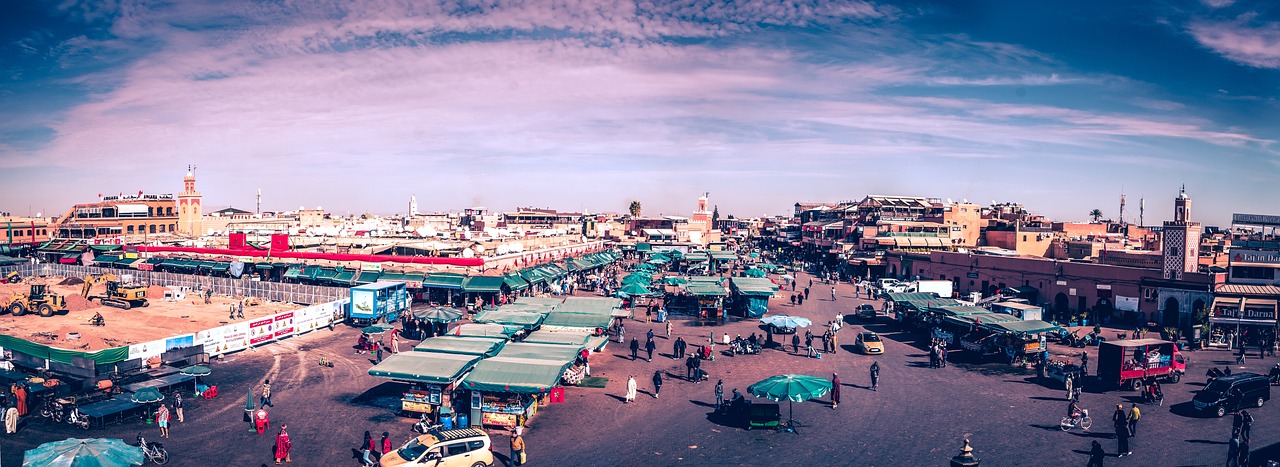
[[753, 272], [76, 452], [438, 314], [793, 388], [146, 396], [634, 290]]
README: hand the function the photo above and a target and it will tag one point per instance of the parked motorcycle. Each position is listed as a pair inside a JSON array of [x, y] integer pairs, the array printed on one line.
[[60, 410], [424, 425], [743, 346], [154, 452]]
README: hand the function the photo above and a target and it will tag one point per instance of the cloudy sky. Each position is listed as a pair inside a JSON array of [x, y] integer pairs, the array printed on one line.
[[573, 104]]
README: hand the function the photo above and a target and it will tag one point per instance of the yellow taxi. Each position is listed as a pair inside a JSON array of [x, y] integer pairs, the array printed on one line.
[[868, 343]]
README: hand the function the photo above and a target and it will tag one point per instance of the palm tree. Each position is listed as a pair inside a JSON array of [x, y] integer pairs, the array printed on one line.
[[634, 209], [1095, 214]]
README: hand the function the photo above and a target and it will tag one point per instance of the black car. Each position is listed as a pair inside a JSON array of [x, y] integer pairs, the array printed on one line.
[[1233, 392]]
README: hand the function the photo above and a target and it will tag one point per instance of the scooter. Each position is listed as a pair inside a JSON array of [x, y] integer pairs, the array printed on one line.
[[424, 425]]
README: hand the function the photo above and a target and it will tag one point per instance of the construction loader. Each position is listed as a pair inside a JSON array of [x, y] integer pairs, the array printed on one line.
[[119, 295], [11, 278], [41, 301]]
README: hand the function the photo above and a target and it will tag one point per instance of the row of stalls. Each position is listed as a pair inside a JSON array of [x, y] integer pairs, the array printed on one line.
[[499, 370], [1010, 331]]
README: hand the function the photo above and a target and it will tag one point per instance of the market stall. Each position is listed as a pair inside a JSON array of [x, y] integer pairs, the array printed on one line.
[[468, 345], [432, 377], [505, 391]]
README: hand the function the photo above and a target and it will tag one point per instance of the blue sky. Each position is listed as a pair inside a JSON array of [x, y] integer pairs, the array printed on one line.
[[354, 106]]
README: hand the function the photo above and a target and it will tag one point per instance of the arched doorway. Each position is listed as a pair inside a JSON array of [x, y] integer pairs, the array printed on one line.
[[1060, 307], [1170, 313], [893, 270], [1103, 309], [1196, 306]]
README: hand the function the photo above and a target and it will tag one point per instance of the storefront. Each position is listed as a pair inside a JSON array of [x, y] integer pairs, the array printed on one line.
[[1241, 318]]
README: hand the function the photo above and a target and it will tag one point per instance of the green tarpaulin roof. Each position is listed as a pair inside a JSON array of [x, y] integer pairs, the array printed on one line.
[[644, 247], [753, 286], [591, 305], [558, 337], [344, 277], [908, 297], [483, 330], [1031, 326], [422, 367], [512, 318], [515, 282], [577, 320], [368, 277], [556, 353], [101, 357], [326, 273], [443, 280], [6, 261], [705, 289], [922, 305], [221, 267], [293, 272], [959, 310], [706, 279], [483, 284], [470, 345], [514, 375], [104, 259], [984, 319]]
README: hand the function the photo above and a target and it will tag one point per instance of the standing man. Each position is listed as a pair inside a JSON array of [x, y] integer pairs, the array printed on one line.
[[795, 343], [668, 328], [649, 347], [697, 370], [806, 292], [631, 389], [834, 346], [649, 335], [1246, 424], [1084, 363], [833, 293], [835, 390], [395, 342], [1121, 423], [162, 419], [177, 404], [1067, 380], [635, 348], [517, 447], [266, 393], [875, 375], [1134, 415], [283, 445], [719, 394], [688, 368], [657, 383]]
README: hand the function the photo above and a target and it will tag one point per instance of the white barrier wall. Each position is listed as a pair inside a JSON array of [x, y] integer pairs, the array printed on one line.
[[239, 336]]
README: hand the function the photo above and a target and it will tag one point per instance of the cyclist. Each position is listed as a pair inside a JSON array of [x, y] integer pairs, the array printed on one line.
[[1073, 410]]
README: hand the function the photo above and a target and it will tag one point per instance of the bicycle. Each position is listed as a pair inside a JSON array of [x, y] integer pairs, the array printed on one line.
[[1083, 421], [153, 452]]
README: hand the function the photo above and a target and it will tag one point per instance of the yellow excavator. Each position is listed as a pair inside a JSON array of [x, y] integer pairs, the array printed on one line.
[[41, 301], [11, 278], [118, 295]]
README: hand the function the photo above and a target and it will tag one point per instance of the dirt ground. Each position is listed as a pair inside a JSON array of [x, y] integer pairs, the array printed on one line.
[[161, 318]]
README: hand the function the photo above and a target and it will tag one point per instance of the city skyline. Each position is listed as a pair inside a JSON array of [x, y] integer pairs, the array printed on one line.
[[354, 107]]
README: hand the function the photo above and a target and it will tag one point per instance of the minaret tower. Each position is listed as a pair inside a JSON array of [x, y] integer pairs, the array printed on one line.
[[189, 211]]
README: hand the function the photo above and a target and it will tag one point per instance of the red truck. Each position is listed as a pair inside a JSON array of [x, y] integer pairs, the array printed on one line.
[[1128, 363]]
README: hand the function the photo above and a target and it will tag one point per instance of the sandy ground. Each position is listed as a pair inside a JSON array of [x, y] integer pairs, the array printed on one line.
[[161, 318]]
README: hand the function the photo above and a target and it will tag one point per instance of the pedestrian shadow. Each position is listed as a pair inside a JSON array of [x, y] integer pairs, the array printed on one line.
[[1185, 409], [1046, 427], [623, 356], [1043, 398], [919, 364], [1205, 441], [1087, 453], [702, 404], [1027, 380], [1089, 434], [617, 397]]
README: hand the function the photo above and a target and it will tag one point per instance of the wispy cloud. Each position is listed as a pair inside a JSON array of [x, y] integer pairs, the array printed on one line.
[[1257, 46]]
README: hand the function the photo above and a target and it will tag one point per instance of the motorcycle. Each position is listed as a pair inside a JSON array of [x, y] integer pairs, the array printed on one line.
[[153, 452], [743, 346], [60, 410], [424, 425]]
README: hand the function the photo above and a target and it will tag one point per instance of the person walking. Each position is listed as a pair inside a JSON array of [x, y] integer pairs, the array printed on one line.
[[1134, 415], [635, 348], [266, 391], [622, 329], [649, 347], [719, 394], [795, 343], [517, 447], [835, 390], [283, 445], [395, 342], [657, 383], [1233, 449], [370, 449], [177, 405], [1121, 423], [649, 335], [1246, 424], [833, 293], [1068, 381], [11, 420], [1084, 363], [697, 369], [1097, 454], [631, 389], [668, 328], [806, 292], [875, 375], [835, 347], [162, 420]]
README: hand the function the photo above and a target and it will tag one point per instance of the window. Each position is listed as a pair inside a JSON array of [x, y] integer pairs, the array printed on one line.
[[1024, 238], [173, 227], [168, 211], [475, 445], [153, 228], [162, 226], [457, 448], [130, 229], [1247, 272]]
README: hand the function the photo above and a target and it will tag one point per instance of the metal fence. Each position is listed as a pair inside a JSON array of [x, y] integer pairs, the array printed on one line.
[[274, 291]]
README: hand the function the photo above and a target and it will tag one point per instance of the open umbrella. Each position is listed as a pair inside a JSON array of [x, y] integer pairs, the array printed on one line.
[[753, 272], [375, 329], [196, 371], [793, 388], [76, 452], [787, 277], [634, 290], [786, 321], [437, 314], [146, 396], [637, 279]]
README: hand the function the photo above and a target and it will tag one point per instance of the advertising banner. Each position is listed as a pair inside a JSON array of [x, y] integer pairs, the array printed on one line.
[[147, 349], [261, 330], [179, 342], [234, 337], [284, 324]]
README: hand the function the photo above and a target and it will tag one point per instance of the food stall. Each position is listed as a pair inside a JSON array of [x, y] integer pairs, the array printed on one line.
[[479, 346], [431, 376], [505, 391]]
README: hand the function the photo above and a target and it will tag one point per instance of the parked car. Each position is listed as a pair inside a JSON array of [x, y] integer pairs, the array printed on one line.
[[1233, 392], [467, 447], [866, 312], [868, 343]]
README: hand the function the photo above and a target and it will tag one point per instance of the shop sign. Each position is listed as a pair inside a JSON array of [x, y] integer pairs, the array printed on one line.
[[1255, 256], [1250, 312], [971, 275], [1255, 219]]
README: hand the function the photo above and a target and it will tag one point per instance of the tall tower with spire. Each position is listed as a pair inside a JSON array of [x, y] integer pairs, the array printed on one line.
[[1181, 243], [189, 210]]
